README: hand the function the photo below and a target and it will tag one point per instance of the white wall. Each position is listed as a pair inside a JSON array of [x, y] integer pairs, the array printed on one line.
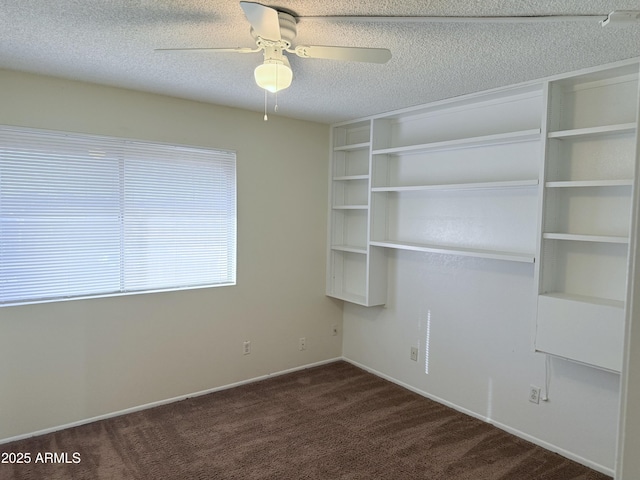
[[628, 461], [479, 315], [64, 362], [68, 361]]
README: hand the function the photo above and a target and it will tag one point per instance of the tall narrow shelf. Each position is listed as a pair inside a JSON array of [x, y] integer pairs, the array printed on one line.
[[352, 270], [585, 216]]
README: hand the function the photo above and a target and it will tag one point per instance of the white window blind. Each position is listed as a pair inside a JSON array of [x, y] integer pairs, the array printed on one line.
[[86, 215]]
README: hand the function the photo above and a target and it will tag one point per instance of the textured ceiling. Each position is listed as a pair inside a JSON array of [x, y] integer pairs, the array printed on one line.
[[112, 43]]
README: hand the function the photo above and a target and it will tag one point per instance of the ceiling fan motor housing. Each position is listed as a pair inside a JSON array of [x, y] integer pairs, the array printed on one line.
[[288, 29]]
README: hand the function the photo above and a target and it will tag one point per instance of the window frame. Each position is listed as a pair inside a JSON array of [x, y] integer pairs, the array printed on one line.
[[218, 155]]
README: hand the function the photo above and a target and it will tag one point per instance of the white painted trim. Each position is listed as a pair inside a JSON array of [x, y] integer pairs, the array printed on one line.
[[529, 84], [164, 402], [626, 452], [498, 96], [501, 426], [517, 433]]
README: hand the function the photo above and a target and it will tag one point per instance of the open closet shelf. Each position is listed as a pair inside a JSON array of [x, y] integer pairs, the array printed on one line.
[[460, 186], [585, 299], [585, 238], [351, 207], [594, 131], [352, 147], [349, 248], [590, 183], [351, 177], [461, 251], [470, 142], [352, 298]]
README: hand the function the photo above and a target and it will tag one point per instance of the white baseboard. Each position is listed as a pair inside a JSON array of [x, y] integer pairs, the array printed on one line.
[[546, 445], [163, 402], [513, 431]]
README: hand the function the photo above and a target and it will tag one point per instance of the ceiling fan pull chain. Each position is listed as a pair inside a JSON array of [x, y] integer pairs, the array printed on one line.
[[275, 108], [265, 106]]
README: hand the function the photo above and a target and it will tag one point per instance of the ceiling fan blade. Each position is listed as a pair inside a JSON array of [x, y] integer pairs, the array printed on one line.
[[453, 19], [206, 50], [263, 19], [355, 54]]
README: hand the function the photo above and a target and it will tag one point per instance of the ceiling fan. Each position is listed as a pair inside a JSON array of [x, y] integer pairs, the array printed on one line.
[[274, 32]]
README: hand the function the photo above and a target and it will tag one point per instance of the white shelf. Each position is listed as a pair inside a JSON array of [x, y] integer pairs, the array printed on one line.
[[354, 273], [589, 183], [585, 238], [588, 186], [461, 251], [471, 142], [350, 249], [351, 177], [594, 131], [350, 297], [588, 330], [460, 186], [585, 299], [350, 207], [352, 147]]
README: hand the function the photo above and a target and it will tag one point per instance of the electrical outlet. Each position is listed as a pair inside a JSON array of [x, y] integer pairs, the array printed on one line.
[[534, 394], [246, 347], [334, 330], [302, 343], [414, 354]]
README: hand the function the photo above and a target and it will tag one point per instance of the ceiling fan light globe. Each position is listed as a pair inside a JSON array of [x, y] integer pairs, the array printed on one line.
[[273, 75]]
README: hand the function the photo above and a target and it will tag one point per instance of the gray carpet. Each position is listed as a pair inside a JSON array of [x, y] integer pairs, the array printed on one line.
[[330, 422]]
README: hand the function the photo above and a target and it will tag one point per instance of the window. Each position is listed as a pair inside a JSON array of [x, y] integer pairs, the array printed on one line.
[[90, 216]]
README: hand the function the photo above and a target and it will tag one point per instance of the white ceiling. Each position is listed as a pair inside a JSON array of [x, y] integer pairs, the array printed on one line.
[[112, 42]]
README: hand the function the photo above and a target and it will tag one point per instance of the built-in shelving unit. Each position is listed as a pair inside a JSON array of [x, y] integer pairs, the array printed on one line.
[[474, 160], [540, 173], [585, 216], [440, 171], [351, 268]]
